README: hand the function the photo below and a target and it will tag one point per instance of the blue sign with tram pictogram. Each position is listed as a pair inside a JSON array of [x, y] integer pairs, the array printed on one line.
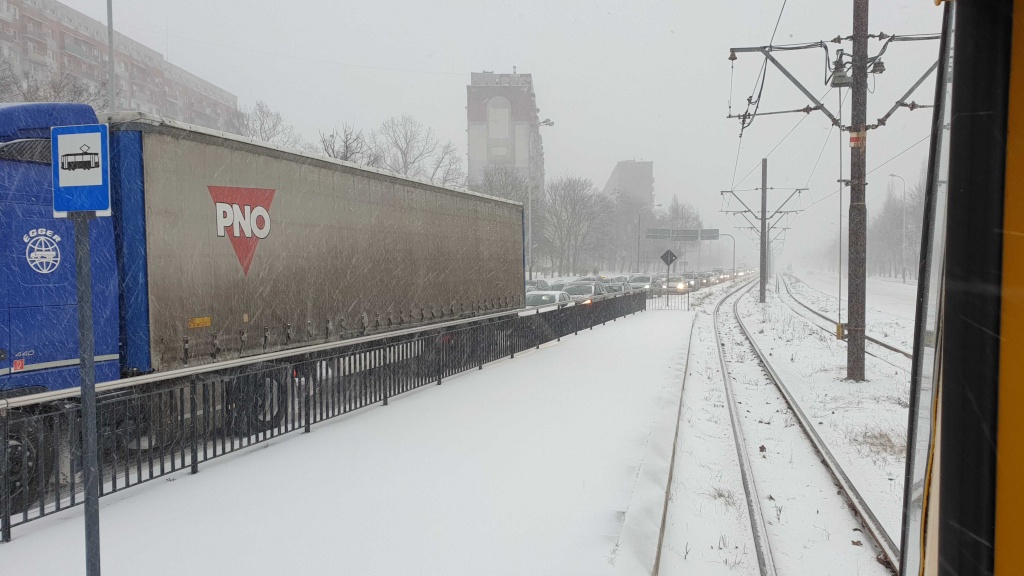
[[81, 173]]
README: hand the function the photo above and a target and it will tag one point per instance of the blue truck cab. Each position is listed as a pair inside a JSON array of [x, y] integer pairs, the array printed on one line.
[[38, 297]]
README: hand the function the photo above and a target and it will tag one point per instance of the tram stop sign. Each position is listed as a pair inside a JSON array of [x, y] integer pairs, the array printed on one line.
[[668, 257], [81, 169]]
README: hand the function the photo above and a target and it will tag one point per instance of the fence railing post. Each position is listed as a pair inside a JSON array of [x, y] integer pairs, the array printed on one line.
[[194, 417], [440, 358], [305, 388], [5, 485], [387, 374]]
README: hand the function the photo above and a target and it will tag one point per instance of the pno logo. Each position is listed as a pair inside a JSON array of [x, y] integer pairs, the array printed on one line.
[[41, 250], [243, 215]]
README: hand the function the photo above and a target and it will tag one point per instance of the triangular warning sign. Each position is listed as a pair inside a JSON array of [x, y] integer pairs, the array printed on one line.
[[243, 215]]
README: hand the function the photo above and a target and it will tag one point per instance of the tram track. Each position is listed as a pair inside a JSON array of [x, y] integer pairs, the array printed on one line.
[[818, 317], [889, 553]]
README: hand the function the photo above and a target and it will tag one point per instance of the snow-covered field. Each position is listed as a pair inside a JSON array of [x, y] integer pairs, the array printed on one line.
[[863, 423], [552, 463], [890, 306]]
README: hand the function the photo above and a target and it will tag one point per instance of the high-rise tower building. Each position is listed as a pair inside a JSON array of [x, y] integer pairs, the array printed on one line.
[[504, 125]]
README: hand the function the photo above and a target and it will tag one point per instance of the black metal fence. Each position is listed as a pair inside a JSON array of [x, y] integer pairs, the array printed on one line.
[[669, 301], [160, 427]]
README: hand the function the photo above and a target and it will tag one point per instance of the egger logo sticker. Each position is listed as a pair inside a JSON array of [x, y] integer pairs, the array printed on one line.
[[243, 215]]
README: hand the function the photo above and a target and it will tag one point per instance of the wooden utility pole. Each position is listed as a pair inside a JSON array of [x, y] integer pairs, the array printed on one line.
[[858, 208]]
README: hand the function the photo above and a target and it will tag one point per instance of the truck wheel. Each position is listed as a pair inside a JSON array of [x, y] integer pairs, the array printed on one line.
[[28, 459], [271, 404]]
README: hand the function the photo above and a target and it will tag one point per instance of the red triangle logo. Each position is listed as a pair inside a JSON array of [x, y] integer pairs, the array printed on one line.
[[243, 215]]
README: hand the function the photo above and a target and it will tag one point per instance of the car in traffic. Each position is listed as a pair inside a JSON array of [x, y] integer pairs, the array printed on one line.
[[584, 291], [617, 287], [532, 285], [547, 298], [675, 285], [641, 281]]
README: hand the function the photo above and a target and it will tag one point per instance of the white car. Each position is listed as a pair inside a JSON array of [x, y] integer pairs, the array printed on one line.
[[546, 298]]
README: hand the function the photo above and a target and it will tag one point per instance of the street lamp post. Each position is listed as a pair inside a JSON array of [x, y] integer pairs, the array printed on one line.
[[903, 229], [733, 252], [529, 201]]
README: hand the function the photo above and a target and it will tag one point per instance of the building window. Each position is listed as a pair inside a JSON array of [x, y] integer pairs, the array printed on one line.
[[499, 117]]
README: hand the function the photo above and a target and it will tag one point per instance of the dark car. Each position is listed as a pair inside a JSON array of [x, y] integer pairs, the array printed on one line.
[[532, 285]]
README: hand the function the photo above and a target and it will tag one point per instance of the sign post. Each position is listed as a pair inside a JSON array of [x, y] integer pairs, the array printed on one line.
[[668, 258], [81, 192]]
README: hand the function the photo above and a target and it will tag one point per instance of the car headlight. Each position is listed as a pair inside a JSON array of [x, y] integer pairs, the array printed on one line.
[[680, 285], [646, 287]]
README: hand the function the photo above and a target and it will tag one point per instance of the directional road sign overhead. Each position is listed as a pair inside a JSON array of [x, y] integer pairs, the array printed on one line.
[[678, 235], [81, 173]]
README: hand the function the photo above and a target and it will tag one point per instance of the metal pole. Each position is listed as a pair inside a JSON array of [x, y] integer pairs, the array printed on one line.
[[858, 208], [764, 227], [638, 241], [111, 77], [86, 348], [730, 236], [529, 230]]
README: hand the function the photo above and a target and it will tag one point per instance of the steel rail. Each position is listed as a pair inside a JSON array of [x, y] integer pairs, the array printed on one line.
[[885, 345], [765, 562], [832, 330], [42, 397], [672, 460], [874, 527]]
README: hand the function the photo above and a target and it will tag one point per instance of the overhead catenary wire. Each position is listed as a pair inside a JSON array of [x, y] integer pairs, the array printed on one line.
[[897, 155], [779, 143]]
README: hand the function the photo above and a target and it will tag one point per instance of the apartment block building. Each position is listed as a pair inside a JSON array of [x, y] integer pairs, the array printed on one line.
[[46, 39]]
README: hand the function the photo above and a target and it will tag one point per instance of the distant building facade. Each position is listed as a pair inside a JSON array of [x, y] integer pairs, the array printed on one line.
[[45, 38], [504, 125], [633, 178]]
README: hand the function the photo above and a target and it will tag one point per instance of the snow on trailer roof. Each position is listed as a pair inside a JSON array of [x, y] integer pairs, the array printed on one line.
[[144, 122]]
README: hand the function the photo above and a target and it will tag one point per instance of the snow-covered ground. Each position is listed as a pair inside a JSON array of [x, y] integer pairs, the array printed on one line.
[[864, 424], [890, 306], [552, 463]]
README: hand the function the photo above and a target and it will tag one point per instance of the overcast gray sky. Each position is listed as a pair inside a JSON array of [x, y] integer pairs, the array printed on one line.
[[622, 80]]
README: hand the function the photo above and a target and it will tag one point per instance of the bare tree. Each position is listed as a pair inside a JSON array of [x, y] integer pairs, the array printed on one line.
[[446, 167], [262, 123], [345, 143], [404, 145], [572, 216], [506, 182], [28, 87]]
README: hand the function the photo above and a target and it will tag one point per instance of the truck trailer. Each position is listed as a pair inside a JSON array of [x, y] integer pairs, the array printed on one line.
[[221, 247]]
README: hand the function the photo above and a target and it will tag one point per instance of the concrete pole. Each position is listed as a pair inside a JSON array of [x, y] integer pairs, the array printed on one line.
[[857, 286], [111, 50], [764, 226]]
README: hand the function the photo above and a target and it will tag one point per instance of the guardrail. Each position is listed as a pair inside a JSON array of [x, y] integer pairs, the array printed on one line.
[[154, 425]]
